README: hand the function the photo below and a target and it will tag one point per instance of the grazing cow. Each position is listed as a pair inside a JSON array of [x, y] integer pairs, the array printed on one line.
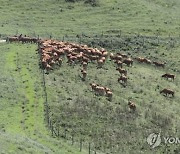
[[103, 59], [25, 39], [132, 105], [93, 58], [167, 92], [59, 61], [123, 55], [105, 54], [128, 62], [122, 79], [48, 67], [84, 64], [140, 59], [109, 95], [143, 60], [12, 39], [72, 59], [93, 86], [122, 71], [118, 57], [147, 61], [159, 64], [100, 90], [100, 63], [107, 89], [85, 59], [168, 76], [34, 40], [112, 56], [119, 63], [84, 74]]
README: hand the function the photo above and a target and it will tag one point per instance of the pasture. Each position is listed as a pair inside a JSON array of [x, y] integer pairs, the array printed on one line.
[[136, 27], [22, 124], [57, 18], [108, 124]]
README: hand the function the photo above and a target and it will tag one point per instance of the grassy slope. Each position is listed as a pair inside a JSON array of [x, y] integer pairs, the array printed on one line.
[[46, 17], [155, 112], [55, 17], [22, 126]]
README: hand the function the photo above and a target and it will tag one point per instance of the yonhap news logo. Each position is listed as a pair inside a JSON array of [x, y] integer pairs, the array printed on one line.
[[154, 140]]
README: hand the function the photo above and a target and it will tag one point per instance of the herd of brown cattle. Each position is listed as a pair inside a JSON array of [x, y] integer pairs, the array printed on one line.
[[102, 91], [23, 39], [54, 52], [165, 91]]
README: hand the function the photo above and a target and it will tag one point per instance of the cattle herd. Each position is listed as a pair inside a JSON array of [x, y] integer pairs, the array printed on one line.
[[23, 39], [54, 52]]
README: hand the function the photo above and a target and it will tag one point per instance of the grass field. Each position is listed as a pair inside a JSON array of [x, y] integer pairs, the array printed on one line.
[[57, 18], [109, 126], [22, 124]]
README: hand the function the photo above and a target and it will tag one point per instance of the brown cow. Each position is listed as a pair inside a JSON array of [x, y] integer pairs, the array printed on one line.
[[167, 92], [123, 79], [107, 89], [119, 63], [93, 86], [100, 63], [168, 76], [147, 61], [132, 105], [59, 61], [84, 64], [12, 39], [128, 62], [99, 90], [159, 64], [140, 59], [109, 95], [84, 74], [123, 55], [118, 57], [112, 56], [122, 71]]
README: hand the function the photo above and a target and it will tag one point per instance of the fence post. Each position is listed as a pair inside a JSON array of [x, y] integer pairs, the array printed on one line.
[[52, 129], [143, 40], [120, 33], [89, 148], [65, 133], [72, 139], [80, 145], [58, 130]]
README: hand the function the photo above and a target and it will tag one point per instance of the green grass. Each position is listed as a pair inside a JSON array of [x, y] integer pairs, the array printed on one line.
[[58, 18], [22, 125], [88, 116], [23, 128]]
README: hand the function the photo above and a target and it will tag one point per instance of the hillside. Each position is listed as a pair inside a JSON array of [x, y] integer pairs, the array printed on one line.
[[145, 28], [57, 18]]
